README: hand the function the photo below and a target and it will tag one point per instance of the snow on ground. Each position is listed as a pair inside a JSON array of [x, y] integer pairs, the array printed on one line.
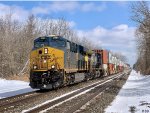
[[13, 87], [134, 97]]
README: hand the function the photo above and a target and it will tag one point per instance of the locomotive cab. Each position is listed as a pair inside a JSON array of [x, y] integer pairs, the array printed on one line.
[[47, 62]]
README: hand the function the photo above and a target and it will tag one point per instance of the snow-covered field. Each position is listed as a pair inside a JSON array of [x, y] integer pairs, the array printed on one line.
[[13, 87], [134, 97]]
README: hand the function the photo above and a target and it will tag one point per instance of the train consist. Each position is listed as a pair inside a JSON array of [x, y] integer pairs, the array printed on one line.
[[56, 61]]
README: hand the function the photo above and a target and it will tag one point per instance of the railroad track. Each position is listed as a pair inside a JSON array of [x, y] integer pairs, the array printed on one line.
[[88, 97], [20, 102], [6, 103], [87, 93]]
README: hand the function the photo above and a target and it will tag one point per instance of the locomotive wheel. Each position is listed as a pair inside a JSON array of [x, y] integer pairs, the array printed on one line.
[[70, 79], [98, 74], [87, 76], [107, 73], [93, 75], [101, 73], [58, 83]]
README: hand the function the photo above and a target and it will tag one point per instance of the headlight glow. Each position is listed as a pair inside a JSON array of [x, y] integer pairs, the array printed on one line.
[[45, 50], [53, 66], [34, 67], [44, 61]]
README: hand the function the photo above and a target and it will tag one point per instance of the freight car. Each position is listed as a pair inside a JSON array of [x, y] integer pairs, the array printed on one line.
[[56, 61]]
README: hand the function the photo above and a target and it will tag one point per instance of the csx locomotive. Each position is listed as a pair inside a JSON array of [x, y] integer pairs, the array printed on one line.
[[56, 61]]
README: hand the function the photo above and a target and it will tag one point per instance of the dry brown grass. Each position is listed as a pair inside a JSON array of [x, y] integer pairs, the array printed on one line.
[[24, 77]]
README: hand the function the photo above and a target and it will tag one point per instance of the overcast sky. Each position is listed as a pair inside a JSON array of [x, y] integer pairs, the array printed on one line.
[[105, 23]]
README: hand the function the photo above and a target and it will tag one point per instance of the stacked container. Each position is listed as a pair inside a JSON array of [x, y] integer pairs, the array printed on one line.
[[103, 60], [104, 54], [111, 63], [118, 70], [115, 65], [121, 66]]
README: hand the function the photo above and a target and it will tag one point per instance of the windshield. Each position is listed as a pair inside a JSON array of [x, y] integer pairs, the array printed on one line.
[[57, 42], [40, 42]]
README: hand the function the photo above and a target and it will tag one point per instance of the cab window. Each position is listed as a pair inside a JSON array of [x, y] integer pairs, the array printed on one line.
[[40, 42], [57, 42]]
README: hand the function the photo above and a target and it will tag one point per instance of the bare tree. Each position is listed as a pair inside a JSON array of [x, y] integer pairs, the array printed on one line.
[[120, 56], [141, 15], [17, 40]]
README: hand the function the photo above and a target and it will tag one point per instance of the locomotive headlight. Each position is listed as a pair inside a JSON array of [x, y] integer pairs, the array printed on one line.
[[45, 50], [53, 66], [34, 67], [44, 61]]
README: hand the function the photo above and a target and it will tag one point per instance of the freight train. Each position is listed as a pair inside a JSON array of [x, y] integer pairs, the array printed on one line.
[[56, 61]]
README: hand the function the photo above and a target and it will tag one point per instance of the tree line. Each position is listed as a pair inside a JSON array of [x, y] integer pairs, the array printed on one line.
[[141, 16], [16, 41]]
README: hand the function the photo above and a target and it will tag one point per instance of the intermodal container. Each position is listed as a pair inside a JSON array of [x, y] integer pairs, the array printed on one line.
[[111, 68], [105, 56], [111, 58], [121, 68]]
